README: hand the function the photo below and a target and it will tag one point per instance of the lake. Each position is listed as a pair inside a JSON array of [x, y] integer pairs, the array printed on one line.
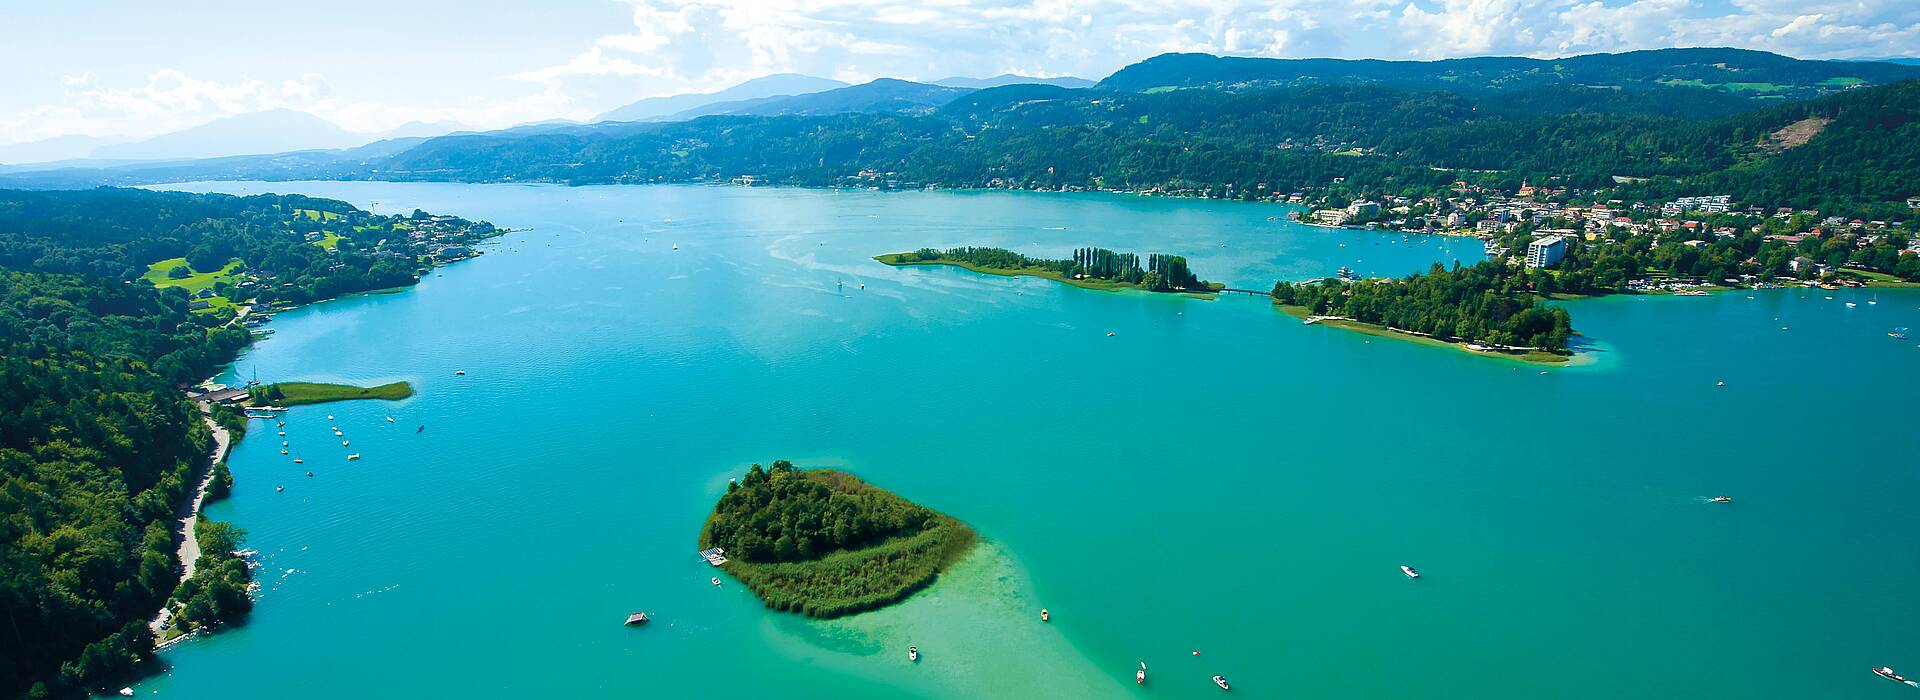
[[1213, 476]]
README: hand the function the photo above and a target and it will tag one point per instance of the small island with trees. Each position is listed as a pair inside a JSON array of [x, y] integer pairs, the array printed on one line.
[[1092, 268], [823, 543]]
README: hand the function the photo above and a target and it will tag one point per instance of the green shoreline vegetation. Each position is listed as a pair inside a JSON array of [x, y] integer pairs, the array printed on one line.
[[300, 393], [1491, 304], [1090, 268], [1374, 329], [823, 543], [100, 447]]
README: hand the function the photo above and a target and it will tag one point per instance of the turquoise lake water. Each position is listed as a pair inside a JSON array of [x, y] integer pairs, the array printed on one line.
[[1215, 476]]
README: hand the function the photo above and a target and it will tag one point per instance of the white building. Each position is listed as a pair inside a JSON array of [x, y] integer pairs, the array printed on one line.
[[1546, 252]]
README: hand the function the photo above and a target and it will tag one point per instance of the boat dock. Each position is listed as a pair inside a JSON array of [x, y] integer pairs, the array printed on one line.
[[715, 556]]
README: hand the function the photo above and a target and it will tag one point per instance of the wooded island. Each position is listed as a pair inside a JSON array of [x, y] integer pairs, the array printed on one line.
[[823, 543]]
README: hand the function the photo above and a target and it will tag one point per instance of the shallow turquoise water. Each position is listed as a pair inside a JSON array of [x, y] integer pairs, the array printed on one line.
[[1213, 477]]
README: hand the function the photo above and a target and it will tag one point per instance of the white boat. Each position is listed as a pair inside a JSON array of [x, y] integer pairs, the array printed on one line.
[[716, 581], [353, 456], [329, 416], [1222, 682], [913, 653], [1140, 676], [1852, 305], [1720, 499], [1408, 570], [389, 419], [283, 450], [343, 443], [126, 692]]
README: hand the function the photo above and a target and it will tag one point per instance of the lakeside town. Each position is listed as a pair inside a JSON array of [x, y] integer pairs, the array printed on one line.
[[1540, 226]]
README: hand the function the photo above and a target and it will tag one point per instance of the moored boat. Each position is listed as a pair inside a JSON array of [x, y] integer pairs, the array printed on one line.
[[353, 456], [1140, 676], [638, 618], [1222, 682], [1408, 570], [1044, 616], [913, 653]]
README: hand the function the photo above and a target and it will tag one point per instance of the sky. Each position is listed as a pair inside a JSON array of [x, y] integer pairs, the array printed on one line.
[[134, 68]]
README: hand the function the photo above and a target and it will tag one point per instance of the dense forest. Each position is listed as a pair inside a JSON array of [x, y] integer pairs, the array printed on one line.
[[1163, 272], [824, 543], [98, 446], [1490, 303], [119, 233]]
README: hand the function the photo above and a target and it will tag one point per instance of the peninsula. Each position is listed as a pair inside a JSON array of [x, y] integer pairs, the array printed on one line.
[[1479, 308], [299, 393], [1091, 268], [823, 543]]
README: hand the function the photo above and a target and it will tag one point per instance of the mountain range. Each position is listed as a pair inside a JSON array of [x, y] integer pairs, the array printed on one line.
[[264, 132], [1841, 136]]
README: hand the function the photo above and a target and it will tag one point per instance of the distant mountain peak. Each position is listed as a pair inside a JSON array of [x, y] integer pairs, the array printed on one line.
[[1005, 79], [775, 85]]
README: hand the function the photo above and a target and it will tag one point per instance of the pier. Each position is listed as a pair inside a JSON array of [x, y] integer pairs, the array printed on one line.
[[1248, 292]]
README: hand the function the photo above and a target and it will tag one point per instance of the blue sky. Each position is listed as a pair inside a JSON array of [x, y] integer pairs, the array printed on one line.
[[127, 69]]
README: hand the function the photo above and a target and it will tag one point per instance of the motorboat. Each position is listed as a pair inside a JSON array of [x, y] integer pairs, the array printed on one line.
[[1222, 682], [1408, 570], [329, 416], [283, 450], [353, 456], [343, 443], [278, 489], [1720, 383], [298, 460], [389, 419], [716, 581], [1720, 499], [913, 653], [1888, 674], [1140, 676], [459, 373], [126, 692], [1044, 617]]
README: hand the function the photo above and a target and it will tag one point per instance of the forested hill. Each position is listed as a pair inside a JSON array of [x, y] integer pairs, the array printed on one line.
[[1741, 71], [97, 443], [1376, 140]]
